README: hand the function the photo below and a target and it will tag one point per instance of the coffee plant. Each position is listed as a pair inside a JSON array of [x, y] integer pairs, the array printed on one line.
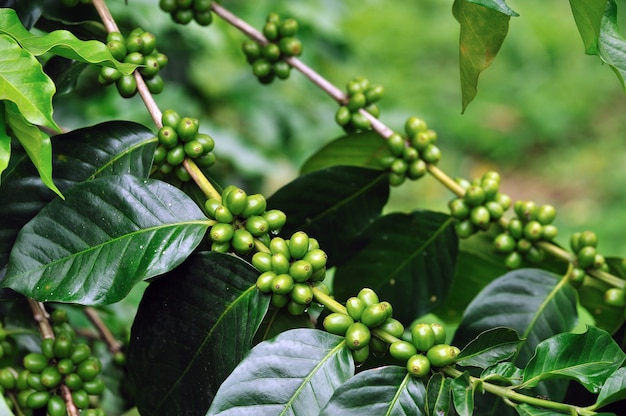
[[312, 301]]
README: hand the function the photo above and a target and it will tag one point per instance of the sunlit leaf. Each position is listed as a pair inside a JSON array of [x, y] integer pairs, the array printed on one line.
[[463, 395], [109, 234], [5, 142], [588, 358], [489, 348], [189, 316], [295, 373], [408, 259], [438, 395], [381, 391], [588, 16]]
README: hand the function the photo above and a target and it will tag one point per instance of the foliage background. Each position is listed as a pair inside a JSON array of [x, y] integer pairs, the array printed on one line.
[[546, 116]]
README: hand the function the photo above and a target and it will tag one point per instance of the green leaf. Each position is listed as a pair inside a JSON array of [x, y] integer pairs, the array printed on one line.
[[5, 142], [61, 43], [109, 148], [612, 45], [463, 395], [438, 395], [497, 5], [489, 348], [35, 142], [23, 82], [503, 373], [361, 149], [528, 410], [381, 391], [280, 320], [408, 259], [109, 234], [64, 73], [333, 205], [613, 390], [588, 16], [295, 373], [591, 297], [535, 303], [482, 32], [588, 358], [202, 316]]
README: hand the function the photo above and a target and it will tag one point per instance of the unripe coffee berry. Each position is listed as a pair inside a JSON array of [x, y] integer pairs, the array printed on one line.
[[265, 280], [418, 365], [374, 315], [361, 355], [615, 297], [337, 323], [423, 336], [368, 296], [357, 336], [586, 256], [298, 245], [474, 195], [440, 333], [301, 270], [402, 350], [282, 284], [442, 355], [242, 241], [504, 243], [355, 307], [393, 327]]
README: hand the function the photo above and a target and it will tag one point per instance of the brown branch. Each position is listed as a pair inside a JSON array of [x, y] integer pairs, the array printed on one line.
[[111, 341], [41, 317]]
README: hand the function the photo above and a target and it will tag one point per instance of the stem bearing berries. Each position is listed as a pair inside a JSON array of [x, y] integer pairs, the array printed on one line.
[[138, 48], [360, 95], [183, 12]]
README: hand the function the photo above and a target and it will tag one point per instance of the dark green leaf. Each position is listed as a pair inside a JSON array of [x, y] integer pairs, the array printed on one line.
[[193, 326], [334, 214], [64, 73], [588, 358], [361, 149], [109, 234], [408, 259], [591, 297], [482, 32], [489, 348], [438, 395], [295, 373], [503, 373], [463, 395], [497, 5], [280, 320], [535, 303], [613, 390], [612, 45], [528, 410], [104, 149], [588, 16], [23, 82], [381, 391]]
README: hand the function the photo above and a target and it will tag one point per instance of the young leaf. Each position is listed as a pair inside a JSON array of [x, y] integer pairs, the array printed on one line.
[[505, 373], [497, 5], [189, 316], [533, 302], [438, 395], [23, 82], [60, 42], [588, 16], [109, 234], [5, 142], [612, 45], [613, 390], [463, 395], [483, 30], [489, 348], [381, 391], [360, 149], [295, 373], [408, 259], [333, 205], [588, 358]]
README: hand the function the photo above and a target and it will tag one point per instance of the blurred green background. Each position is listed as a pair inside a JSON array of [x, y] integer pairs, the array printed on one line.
[[548, 117]]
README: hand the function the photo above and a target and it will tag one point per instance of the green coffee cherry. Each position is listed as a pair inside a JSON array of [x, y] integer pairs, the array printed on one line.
[[223, 215], [546, 214], [89, 368], [361, 355], [282, 284], [301, 270], [302, 293], [317, 258], [280, 263], [8, 378], [418, 365], [34, 381], [615, 297], [80, 399], [533, 230], [295, 308], [187, 128], [265, 280], [38, 400], [355, 307], [549, 232], [423, 336], [588, 238], [504, 243], [474, 195], [396, 144], [280, 245], [586, 256], [222, 233], [170, 118], [374, 315], [337, 323], [480, 217], [176, 155], [368, 296], [275, 218], [442, 355], [73, 381], [513, 260], [50, 377], [262, 261], [414, 125], [440, 333], [393, 327], [298, 245], [126, 86], [56, 406], [255, 206], [81, 353], [35, 362], [65, 366], [242, 241], [357, 336], [94, 387], [465, 228], [402, 350], [47, 347]]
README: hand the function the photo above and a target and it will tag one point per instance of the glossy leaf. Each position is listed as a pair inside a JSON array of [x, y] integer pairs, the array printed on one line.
[[60, 42], [524, 409], [483, 30], [109, 234], [497, 5], [588, 16], [35, 142], [613, 390], [361, 149], [295, 373], [463, 395], [280, 320], [489, 348], [533, 302], [5, 142], [504, 372], [23, 82], [381, 391], [612, 45], [64, 73], [332, 214], [588, 358], [109, 148], [438, 395], [408, 259], [202, 316]]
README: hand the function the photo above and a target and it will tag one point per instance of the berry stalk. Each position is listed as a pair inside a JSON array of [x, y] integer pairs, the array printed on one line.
[[328, 302]]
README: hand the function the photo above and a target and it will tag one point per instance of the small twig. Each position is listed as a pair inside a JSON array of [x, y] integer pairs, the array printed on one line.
[[198, 177], [66, 393], [148, 100], [105, 15], [114, 344], [41, 317]]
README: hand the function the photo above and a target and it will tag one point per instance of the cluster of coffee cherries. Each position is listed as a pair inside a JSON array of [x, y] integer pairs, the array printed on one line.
[[60, 361], [481, 204], [584, 245], [184, 11], [240, 219], [5, 346], [531, 225], [360, 95], [411, 154], [427, 349], [179, 138], [289, 271], [267, 60], [138, 48]]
